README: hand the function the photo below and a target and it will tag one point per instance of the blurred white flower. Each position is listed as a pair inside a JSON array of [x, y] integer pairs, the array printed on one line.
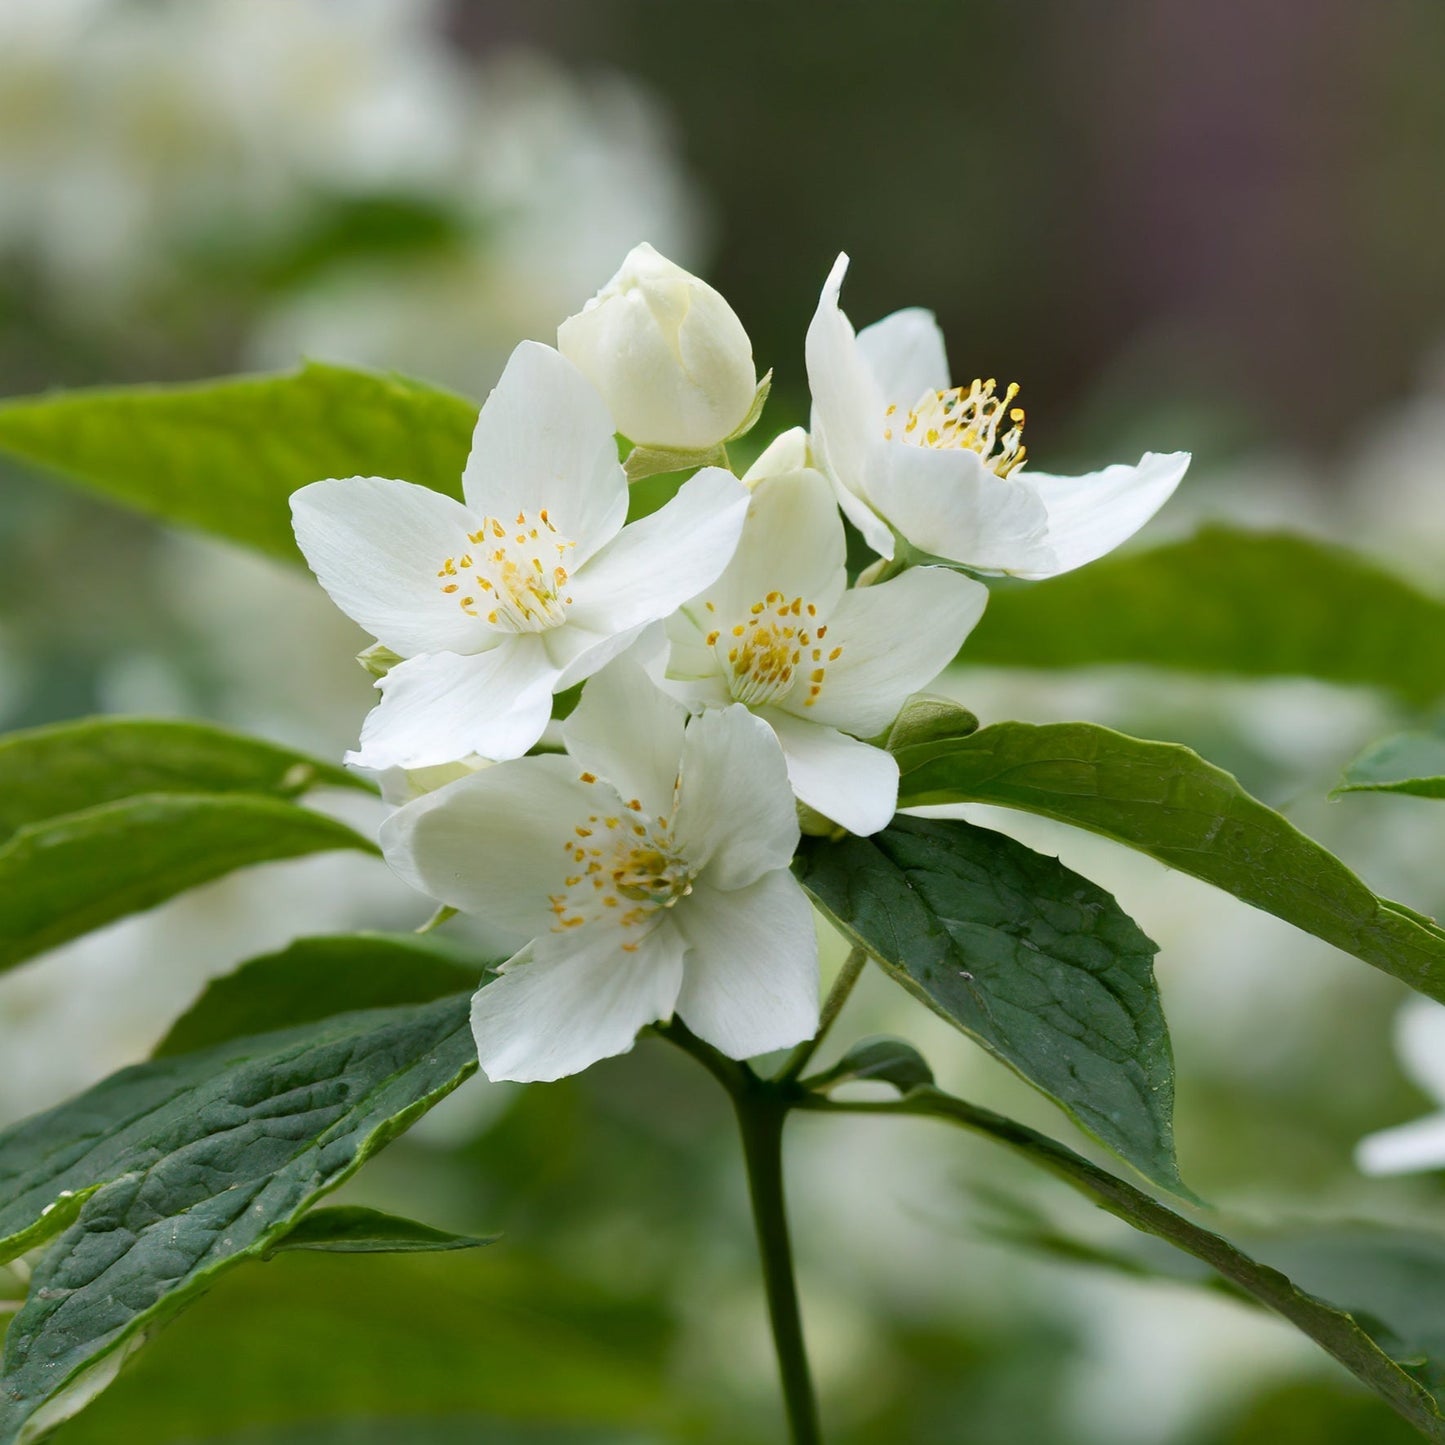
[[822, 665], [142, 140], [649, 868], [555, 175], [1410, 1148], [942, 466], [667, 353], [527, 588], [131, 133]]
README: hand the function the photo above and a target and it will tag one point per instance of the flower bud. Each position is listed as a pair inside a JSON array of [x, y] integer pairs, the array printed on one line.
[[668, 354]]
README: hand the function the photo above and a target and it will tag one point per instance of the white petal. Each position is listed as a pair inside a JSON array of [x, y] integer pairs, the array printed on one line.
[[850, 782], [787, 452], [893, 639], [847, 410], [376, 546], [657, 563], [792, 542], [580, 651], [544, 439], [735, 814], [948, 504], [1091, 515], [905, 353], [1408, 1149], [493, 844], [579, 998], [750, 980], [628, 731], [441, 707], [1420, 1044]]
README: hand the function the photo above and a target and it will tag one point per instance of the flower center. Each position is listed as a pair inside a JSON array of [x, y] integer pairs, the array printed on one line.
[[766, 655], [967, 419], [513, 575], [621, 869]]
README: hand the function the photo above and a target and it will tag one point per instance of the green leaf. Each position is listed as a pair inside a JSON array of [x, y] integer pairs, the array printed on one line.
[[313, 1340], [1197, 606], [350, 1229], [225, 456], [1406, 763], [925, 725], [892, 1061], [1336, 1331], [63, 877], [188, 1166], [76, 765], [314, 978], [1166, 801], [1037, 964]]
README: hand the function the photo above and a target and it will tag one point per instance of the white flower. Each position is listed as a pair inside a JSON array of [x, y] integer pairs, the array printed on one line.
[[668, 354], [1420, 1145], [942, 466], [650, 870], [823, 666], [527, 588]]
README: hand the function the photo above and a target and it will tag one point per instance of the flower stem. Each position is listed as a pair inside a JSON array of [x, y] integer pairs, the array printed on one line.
[[761, 1106], [848, 975], [761, 1110]]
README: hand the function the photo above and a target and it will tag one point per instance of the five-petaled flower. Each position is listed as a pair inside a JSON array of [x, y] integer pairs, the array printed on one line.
[[524, 589], [824, 666], [943, 466], [649, 869]]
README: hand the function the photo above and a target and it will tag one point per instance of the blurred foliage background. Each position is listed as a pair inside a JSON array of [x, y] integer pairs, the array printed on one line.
[[1209, 226]]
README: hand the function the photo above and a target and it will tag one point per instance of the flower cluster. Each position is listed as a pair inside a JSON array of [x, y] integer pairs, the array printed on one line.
[[641, 846]]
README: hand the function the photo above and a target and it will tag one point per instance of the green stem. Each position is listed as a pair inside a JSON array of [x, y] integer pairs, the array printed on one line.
[[437, 919], [761, 1106], [848, 975], [761, 1111]]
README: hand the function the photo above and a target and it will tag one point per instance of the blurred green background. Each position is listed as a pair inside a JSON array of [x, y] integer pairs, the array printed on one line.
[[1213, 227]]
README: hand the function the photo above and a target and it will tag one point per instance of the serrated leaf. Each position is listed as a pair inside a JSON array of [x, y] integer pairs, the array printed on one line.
[[1196, 606], [888, 1060], [314, 978], [351, 1229], [1037, 964], [225, 456], [193, 1164], [68, 875], [1166, 801], [71, 766], [1335, 1330], [1412, 762]]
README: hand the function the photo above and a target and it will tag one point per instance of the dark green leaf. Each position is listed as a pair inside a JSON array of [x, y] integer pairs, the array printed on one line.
[[1338, 1332], [1406, 763], [75, 765], [189, 1165], [1166, 801], [1039, 965], [314, 978], [225, 456], [64, 877], [889, 1060], [350, 1229], [496, 1336], [1197, 605]]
